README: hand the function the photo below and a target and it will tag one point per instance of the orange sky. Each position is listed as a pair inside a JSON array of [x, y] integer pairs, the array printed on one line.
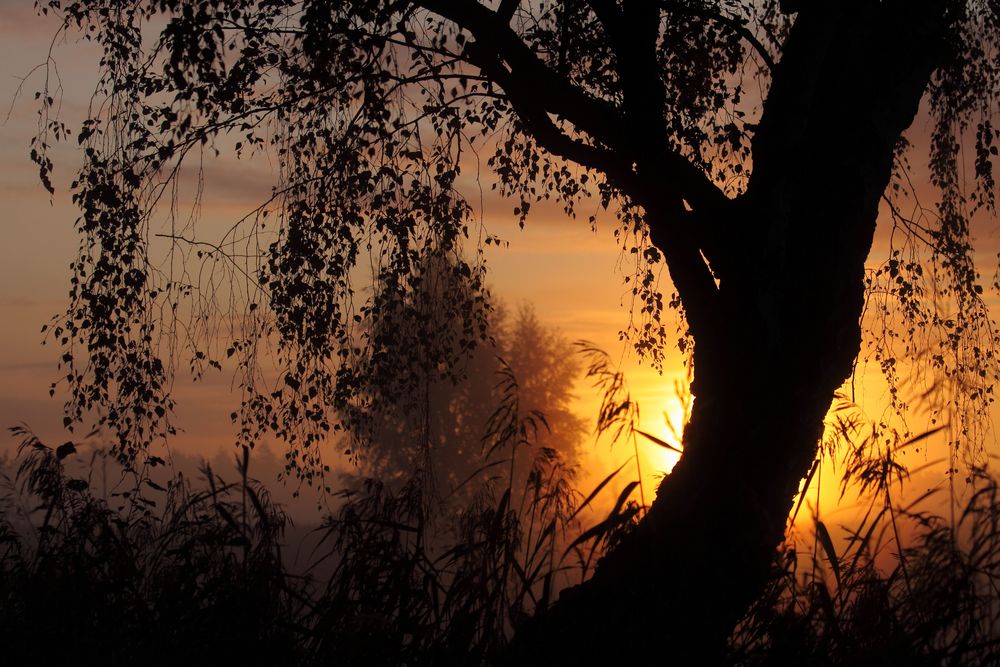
[[559, 265]]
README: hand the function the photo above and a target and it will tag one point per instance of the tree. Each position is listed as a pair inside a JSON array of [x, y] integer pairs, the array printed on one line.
[[763, 209], [450, 428]]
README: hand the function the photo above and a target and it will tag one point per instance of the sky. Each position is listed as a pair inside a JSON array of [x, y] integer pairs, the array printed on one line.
[[566, 271], [569, 273]]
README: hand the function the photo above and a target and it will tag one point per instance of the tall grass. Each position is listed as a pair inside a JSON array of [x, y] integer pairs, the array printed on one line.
[[167, 574], [906, 587], [194, 571]]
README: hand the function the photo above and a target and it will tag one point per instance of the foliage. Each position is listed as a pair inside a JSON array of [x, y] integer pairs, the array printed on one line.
[[376, 112]]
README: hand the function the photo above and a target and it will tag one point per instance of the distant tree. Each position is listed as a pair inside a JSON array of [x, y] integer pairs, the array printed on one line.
[[745, 144], [446, 429]]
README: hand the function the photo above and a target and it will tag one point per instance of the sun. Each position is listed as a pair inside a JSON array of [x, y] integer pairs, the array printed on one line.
[[659, 446]]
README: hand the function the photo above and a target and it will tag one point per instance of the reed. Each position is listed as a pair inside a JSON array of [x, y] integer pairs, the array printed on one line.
[[194, 571]]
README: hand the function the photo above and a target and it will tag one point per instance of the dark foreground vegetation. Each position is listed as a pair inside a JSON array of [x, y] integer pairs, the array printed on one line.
[[196, 572], [745, 151]]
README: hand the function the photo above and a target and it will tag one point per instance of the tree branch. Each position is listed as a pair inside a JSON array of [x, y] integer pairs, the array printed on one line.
[[557, 95], [607, 12], [595, 117], [633, 151], [633, 34], [506, 10], [525, 101], [735, 25]]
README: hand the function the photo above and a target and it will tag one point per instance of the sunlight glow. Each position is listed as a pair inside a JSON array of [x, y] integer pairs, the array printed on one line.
[[658, 457]]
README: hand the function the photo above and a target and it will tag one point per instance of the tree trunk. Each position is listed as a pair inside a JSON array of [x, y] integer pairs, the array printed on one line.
[[786, 336]]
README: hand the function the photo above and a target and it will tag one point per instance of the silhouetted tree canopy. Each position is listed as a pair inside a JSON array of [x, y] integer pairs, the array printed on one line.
[[745, 145], [373, 109]]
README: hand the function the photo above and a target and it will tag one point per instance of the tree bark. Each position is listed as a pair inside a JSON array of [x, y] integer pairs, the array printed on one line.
[[785, 338]]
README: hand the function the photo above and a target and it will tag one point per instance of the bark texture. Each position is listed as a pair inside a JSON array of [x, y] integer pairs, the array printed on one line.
[[789, 256]]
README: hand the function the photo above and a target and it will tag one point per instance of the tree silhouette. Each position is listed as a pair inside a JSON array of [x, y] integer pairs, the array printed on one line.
[[447, 429], [762, 205]]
